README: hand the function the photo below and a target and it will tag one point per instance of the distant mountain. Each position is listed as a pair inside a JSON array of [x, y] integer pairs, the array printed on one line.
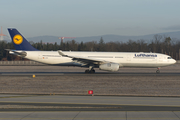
[[49, 39], [106, 38]]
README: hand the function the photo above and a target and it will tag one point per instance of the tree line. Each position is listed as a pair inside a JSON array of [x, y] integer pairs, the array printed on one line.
[[159, 44]]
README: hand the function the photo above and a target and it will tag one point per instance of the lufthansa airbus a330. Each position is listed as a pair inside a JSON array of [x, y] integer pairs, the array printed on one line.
[[108, 61]]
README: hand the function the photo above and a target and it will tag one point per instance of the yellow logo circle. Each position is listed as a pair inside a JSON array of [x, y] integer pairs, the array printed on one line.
[[17, 39]]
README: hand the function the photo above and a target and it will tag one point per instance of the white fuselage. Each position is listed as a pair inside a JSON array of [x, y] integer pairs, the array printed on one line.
[[124, 59]]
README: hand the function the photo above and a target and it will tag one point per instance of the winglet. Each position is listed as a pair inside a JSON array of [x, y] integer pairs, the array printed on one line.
[[60, 52]]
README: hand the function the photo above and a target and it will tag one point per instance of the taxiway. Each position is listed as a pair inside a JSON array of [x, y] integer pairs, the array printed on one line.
[[64, 107]]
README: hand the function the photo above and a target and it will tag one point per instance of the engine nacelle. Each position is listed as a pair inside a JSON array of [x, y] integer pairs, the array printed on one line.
[[109, 67]]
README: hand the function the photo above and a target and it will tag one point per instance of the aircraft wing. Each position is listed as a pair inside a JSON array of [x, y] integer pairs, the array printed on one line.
[[17, 52], [84, 60]]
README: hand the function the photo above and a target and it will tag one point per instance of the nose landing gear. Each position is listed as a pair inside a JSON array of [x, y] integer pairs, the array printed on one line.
[[158, 70]]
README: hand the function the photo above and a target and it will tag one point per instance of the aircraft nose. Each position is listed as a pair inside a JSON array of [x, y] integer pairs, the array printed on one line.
[[174, 61]]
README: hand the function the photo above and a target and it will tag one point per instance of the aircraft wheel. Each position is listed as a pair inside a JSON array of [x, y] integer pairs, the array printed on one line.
[[86, 71], [92, 71], [157, 71]]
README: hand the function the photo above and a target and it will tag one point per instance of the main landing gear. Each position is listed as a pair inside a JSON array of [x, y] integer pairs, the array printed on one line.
[[158, 70], [90, 70]]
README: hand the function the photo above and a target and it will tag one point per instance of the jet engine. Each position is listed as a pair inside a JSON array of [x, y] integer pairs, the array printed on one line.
[[109, 67]]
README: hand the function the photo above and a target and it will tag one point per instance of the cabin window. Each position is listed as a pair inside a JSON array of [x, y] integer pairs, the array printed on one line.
[[169, 58]]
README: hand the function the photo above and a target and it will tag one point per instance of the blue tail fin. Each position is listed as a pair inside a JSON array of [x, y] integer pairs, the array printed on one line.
[[20, 43]]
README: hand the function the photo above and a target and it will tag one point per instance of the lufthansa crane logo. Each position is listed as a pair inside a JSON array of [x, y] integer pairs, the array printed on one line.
[[17, 39]]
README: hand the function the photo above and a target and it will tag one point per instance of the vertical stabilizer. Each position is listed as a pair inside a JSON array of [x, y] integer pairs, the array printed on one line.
[[20, 43]]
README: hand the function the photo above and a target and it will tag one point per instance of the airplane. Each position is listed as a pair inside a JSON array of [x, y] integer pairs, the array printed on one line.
[[107, 61]]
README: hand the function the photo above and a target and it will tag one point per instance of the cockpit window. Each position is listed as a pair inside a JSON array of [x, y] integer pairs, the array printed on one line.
[[169, 58]]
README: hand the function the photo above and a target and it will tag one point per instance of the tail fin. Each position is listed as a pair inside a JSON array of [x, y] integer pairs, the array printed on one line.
[[20, 43]]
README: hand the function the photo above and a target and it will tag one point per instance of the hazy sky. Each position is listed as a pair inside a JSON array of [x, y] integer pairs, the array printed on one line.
[[78, 18]]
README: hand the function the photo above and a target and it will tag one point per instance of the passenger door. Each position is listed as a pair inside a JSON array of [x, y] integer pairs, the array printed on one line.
[[128, 58]]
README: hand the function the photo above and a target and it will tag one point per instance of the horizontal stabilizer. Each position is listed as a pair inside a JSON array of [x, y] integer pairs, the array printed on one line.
[[19, 53]]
